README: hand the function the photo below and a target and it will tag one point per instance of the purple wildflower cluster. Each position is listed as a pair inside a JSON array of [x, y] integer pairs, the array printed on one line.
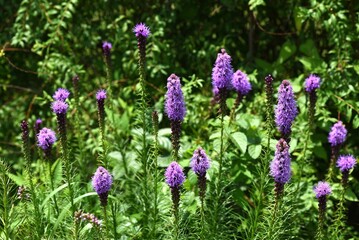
[[106, 48], [322, 189], [280, 166], [61, 94], [174, 175], [46, 138], [312, 83], [101, 183], [337, 134], [346, 162], [240, 83], [200, 162], [175, 105], [101, 95], [286, 109], [141, 30], [59, 107], [82, 216], [222, 71]]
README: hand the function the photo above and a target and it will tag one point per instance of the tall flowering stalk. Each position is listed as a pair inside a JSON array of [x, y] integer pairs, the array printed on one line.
[[60, 108], [222, 74], [45, 140], [155, 157], [106, 49], [174, 178], [142, 32], [312, 83], [200, 163], [336, 138], [26, 151], [242, 86], [101, 183], [286, 110], [345, 163], [280, 167], [100, 97], [321, 190], [176, 111]]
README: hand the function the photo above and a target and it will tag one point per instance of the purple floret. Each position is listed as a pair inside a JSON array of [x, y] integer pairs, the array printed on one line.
[[286, 109], [174, 175], [337, 134], [322, 189], [280, 166], [46, 138], [175, 105], [106, 48], [222, 71], [141, 30], [312, 83], [240, 83], [101, 181], [346, 162], [101, 95], [59, 107], [200, 162], [61, 94]]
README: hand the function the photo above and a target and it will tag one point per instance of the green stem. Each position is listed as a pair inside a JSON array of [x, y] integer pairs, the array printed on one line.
[[114, 220], [52, 188], [105, 221]]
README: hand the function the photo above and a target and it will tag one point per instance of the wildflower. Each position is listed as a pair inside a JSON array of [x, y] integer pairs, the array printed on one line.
[[312, 83], [82, 216], [345, 163], [240, 83], [101, 183], [22, 193], [45, 139], [286, 109], [141, 30], [322, 190], [337, 134], [37, 125], [106, 48], [174, 178], [222, 71], [200, 164], [59, 107], [61, 94], [280, 166]]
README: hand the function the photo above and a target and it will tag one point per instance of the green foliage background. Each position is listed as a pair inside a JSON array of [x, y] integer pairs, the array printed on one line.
[[45, 43]]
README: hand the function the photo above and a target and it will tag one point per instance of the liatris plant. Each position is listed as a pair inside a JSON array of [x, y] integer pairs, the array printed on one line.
[[61, 94], [176, 110], [45, 139], [321, 190], [59, 107], [345, 163], [242, 86], [222, 73], [312, 83], [101, 183], [286, 110], [142, 32], [75, 83], [280, 167], [37, 125], [200, 164], [106, 49], [336, 138], [155, 158], [82, 216], [26, 152], [175, 178], [100, 97]]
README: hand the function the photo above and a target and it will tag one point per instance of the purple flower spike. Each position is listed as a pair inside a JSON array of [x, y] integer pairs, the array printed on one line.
[[286, 109], [240, 83], [322, 189], [345, 163], [141, 30], [200, 162], [222, 71], [280, 166], [61, 94], [337, 134], [312, 83], [175, 105], [101, 183], [174, 175], [59, 107], [46, 138], [106, 48], [37, 125], [101, 95]]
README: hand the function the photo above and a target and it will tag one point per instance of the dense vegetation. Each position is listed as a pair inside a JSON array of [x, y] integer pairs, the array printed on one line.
[[45, 44]]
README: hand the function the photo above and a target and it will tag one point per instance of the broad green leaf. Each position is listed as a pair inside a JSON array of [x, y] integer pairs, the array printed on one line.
[[254, 151], [287, 50], [240, 140], [350, 195]]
